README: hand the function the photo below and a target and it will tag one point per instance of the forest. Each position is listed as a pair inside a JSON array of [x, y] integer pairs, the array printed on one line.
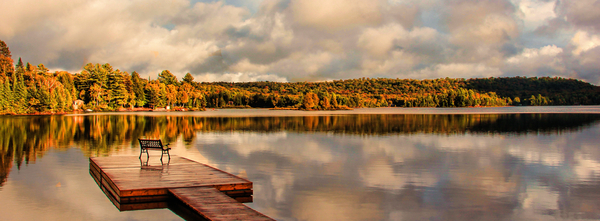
[[31, 89]]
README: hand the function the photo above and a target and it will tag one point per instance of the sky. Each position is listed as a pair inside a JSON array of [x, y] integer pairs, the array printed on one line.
[[310, 40]]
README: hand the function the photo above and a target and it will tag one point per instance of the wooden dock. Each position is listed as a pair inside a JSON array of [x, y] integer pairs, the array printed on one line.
[[132, 184]]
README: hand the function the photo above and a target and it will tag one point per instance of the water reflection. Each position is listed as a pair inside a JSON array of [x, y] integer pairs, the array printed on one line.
[[357, 167], [26, 138], [417, 177]]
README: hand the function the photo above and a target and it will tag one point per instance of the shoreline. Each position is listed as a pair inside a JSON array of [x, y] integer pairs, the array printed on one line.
[[592, 109]]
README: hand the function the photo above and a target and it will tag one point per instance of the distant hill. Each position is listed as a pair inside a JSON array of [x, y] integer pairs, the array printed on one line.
[[558, 91]]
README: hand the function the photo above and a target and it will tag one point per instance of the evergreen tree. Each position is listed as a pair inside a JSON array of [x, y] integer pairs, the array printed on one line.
[[3, 93], [42, 70], [119, 94], [8, 95], [138, 89], [188, 78], [20, 66], [20, 94], [45, 99], [29, 67], [117, 89], [154, 94], [4, 50], [6, 62], [162, 101], [167, 78], [334, 102]]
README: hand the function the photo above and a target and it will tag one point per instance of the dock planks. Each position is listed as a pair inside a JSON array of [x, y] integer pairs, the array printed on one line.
[[131, 184], [214, 205]]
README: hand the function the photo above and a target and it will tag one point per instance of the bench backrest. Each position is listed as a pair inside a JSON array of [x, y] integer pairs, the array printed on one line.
[[150, 143]]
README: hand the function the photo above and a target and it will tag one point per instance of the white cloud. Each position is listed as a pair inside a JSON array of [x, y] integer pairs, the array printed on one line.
[[536, 12], [246, 65], [533, 53], [335, 14], [379, 41], [583, 41], [457, 70], [545, 61], [494, 29], [18, 16], [238, 77]]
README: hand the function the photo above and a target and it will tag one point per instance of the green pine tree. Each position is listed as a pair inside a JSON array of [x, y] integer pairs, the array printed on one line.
[[167, 78], [188, 78], [137, 85]]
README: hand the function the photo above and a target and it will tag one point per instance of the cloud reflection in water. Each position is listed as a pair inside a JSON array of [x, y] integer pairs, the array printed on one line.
[[316, 176]]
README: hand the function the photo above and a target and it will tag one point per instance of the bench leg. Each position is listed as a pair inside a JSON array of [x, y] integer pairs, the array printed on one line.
[[163, 152]]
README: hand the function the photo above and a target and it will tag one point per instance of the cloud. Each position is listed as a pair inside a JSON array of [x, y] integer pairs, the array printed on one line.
[[478, 31], [573, 14], [457, 70], [536, 13], [537, 62], [380, 41], [582, 41], [308, 40], [581, 13], [585, 66], [238, 77], [336, 15]]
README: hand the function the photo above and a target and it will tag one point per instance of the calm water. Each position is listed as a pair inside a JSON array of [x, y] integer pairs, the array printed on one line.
[[512, 163]]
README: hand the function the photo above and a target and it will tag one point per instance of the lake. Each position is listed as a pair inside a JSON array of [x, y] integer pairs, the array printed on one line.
[[505, 163]]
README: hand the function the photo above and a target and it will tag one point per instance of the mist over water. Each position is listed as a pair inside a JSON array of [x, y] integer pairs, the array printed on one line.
[[315, 166]]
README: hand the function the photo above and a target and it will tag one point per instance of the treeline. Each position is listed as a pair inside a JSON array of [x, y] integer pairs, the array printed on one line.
[[539, 91], [25, 88]]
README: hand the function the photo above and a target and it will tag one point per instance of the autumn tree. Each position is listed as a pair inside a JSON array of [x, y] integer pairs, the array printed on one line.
[[311, 100], [171, 95], [6, 62]]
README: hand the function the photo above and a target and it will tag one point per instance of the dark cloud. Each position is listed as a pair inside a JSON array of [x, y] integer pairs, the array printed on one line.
[[581, 13], [586, 65], [510, 49], [141, 68], [553, 27], [72, 59], [213, 64]]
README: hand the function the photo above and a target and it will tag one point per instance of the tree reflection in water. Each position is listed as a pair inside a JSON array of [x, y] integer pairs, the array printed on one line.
[[25, 138]]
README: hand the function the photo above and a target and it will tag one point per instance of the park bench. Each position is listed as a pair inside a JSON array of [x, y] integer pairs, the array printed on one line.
[[153, 144]]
